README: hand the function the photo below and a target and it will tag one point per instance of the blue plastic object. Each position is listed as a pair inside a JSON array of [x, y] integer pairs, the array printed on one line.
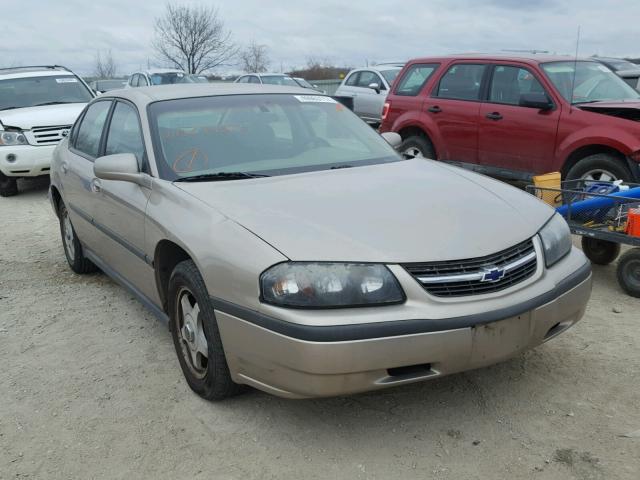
[[597, 203]]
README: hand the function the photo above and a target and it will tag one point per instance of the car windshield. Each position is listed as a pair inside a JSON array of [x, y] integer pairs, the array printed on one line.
[[390, 75], [168, 78], [592, 82], [278, 80], [46, 90], [621, 65], [274, 134]]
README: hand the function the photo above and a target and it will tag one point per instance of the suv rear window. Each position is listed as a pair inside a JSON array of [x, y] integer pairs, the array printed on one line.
[[461, 82], [415, 78]]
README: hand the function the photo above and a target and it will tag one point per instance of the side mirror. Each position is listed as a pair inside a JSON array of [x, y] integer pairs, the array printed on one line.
[[375, 86], [537, 100], [122, 167], [394, 139]]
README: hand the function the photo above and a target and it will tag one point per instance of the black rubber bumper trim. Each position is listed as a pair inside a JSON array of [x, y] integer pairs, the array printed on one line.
[[364, 331]]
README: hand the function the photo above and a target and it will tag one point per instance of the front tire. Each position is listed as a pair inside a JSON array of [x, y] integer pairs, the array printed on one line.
[[417, 146], [8, 186], [72, 247], [601, 167], [196, 336]]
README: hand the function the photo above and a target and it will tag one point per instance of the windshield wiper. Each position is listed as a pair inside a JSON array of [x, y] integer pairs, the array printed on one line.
[[214, 177], [50, 103], [337, 167]]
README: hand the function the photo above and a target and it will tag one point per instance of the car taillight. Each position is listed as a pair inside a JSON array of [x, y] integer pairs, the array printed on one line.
[[385, 110]]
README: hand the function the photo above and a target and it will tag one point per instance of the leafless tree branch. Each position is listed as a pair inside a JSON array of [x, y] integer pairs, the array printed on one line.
[[105, 67], [254, 58]]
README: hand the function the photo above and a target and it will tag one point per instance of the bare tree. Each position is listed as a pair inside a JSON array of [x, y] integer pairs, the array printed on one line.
[[105, 67], [254, 58], [193, 38]]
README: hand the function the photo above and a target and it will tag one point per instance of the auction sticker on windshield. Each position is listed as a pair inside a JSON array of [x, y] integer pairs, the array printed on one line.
[[67, 80], [314, 99]]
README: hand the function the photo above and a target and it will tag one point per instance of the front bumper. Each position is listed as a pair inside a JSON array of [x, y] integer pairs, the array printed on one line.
[[30, 160], [298, 361]]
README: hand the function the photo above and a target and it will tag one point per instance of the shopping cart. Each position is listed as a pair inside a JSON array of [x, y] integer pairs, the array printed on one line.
[[604, 215]]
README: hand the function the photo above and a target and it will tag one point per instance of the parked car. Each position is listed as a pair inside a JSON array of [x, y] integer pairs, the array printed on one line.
[[163, 76], [292, 249], [38, 105], [101, 86], [369, 88], [267, 79], [516, 116], [628, 71]]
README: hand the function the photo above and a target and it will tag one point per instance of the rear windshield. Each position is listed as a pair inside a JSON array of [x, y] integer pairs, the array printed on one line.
[[278, 80], [390, 75], [37, 91], [265, 134]]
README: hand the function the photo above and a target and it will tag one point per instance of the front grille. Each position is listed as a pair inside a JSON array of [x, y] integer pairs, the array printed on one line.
[[476, 276], [48, 135]]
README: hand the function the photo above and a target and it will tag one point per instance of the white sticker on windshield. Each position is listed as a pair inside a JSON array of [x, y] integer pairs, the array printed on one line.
[[67, 80], [314, 99]]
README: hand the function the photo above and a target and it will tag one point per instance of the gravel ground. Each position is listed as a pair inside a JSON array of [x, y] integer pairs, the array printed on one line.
[[90, 387]]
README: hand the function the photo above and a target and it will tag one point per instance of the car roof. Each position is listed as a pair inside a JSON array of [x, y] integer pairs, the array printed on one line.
[[154, 71], [146, 95], [266, 75], [530, 58], [34, 71]]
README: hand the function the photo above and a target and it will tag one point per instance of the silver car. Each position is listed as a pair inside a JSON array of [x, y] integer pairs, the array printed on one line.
[[369, 88], [290, 248]]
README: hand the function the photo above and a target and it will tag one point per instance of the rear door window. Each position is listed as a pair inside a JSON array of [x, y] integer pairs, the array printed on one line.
[[90, 131], [461, 82], [352, 81], [415, 78]]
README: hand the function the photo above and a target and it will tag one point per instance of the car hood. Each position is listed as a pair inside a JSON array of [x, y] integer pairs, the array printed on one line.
[[408, 211], [45, 116], [627, 109]]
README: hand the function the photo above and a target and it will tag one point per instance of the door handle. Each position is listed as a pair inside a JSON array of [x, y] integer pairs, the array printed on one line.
[[64, 166], [434, 109], [96, 185], [494, 116]]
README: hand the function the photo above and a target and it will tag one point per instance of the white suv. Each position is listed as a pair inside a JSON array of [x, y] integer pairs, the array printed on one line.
[[38, 105]]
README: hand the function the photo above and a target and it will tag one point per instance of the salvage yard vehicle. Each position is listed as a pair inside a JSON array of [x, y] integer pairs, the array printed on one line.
[[369, 88], [160, 76], [517, 116], [291, 248], [38, 105], [267, 79], [629, 72]]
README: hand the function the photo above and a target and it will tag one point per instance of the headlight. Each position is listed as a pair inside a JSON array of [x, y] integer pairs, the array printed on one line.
[[329, 285], [12, 138], [556, 239]]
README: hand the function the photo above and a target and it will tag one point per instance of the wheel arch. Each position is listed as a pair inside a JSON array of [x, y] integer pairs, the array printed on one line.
[[56, 199], [167, 255], [587, 150], [411, 130]]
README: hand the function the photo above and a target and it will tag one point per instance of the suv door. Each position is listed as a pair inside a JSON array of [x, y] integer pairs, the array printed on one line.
[[453, 108], [77, 170], [516, 139], [120, 206], [368, 102]]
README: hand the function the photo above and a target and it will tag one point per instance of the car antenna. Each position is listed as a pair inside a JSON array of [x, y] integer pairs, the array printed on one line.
[[575, 66]]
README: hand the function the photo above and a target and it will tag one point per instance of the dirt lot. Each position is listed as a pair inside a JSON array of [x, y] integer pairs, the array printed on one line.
[[90, 387]]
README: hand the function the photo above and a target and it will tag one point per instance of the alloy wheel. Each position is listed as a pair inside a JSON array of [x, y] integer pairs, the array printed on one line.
[[193, 341], [599, 175], [68, 236]]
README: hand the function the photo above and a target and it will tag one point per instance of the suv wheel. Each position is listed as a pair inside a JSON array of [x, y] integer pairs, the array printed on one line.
[[417, 146], [72, 247], [601, 167], [8, 186], [196, 336]]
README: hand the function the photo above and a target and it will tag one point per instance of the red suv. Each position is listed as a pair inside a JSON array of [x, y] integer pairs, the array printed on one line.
[[513, 117]]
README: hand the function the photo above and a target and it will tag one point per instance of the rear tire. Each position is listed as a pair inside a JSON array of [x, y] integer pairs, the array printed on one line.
[[72, 246], [8, 186], [600, 252], [417, 146], [601, 167], [629, 272], [195, 332]]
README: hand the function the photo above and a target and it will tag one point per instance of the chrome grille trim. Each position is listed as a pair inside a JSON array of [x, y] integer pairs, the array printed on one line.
[[458, 278], [46, 135]]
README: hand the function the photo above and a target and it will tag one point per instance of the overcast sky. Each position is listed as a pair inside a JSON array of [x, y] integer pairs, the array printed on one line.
[[345, 32]]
